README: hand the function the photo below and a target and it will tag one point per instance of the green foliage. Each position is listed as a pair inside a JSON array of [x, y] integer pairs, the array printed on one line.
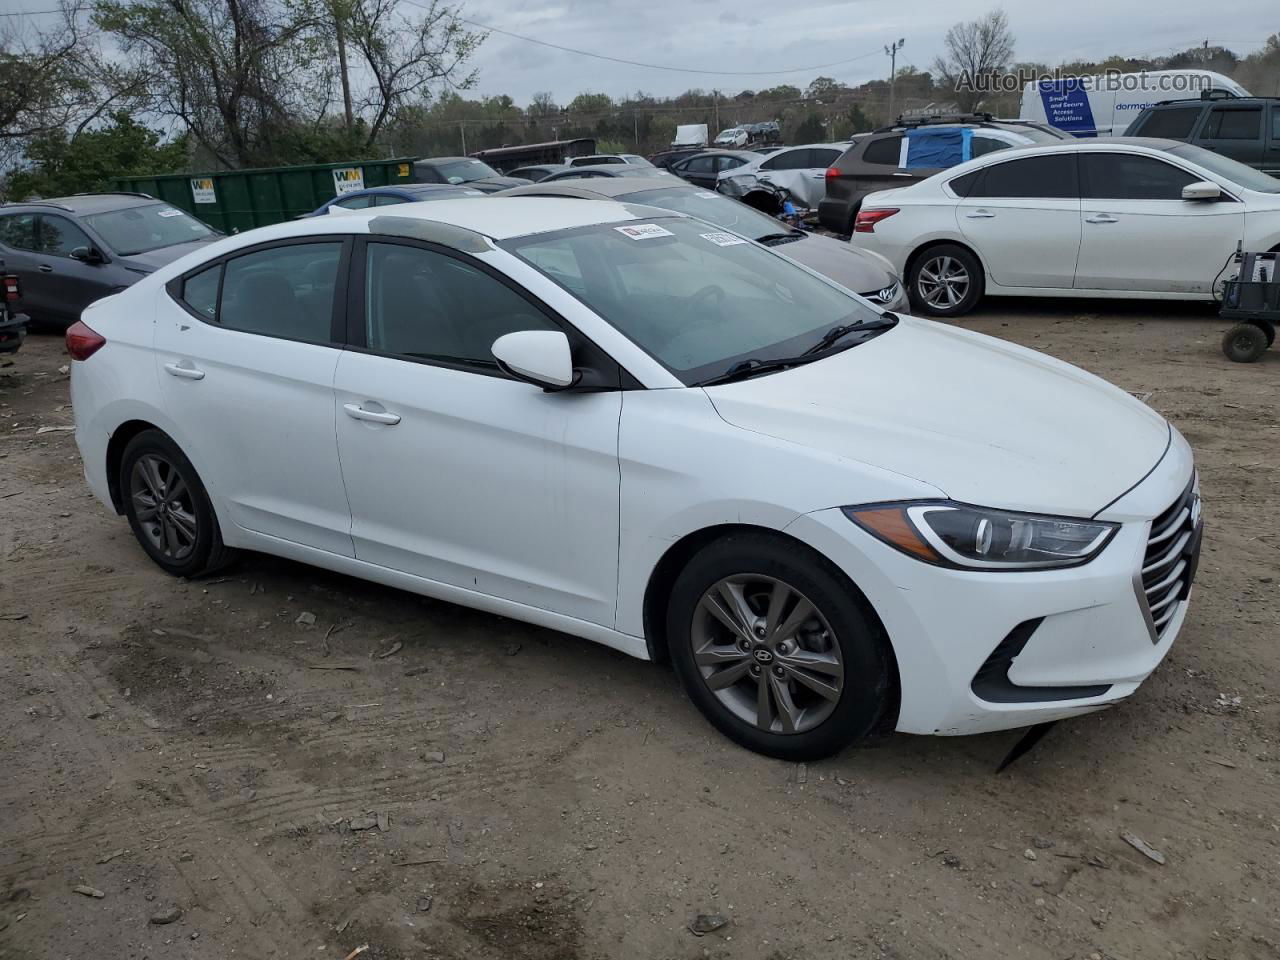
[[121, 148], [809, 129], [611, 146]]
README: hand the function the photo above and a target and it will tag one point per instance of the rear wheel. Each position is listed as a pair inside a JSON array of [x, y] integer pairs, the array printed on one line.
[[946, 281], [773, 648], [1245, 342], [168, 508]]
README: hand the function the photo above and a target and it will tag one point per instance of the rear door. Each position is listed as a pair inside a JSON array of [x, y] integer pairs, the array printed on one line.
[[1022, 216], [700, 170], [1139, 234], [1234, 131]]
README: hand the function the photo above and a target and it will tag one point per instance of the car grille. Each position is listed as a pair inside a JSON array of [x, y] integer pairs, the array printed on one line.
[[1169, 563], [885, 295]]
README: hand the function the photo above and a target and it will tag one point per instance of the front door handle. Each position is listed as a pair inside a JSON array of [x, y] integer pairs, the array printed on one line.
[[357, 412], [1101, 218], [979, 214], [184, 371], [45, 268]]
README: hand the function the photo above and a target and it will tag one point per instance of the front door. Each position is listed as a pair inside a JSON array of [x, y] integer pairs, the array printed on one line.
[[1022, 216], [1139, 234], [61, 287], [457, 473], [246, 351]]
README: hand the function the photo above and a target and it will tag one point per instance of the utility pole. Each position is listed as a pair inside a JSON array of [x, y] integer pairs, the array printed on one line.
[[891, 49], [462, 129], [716, 99]]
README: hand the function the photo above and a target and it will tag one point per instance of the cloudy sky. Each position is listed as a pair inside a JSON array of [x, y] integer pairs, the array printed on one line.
[[781, 35], [785, 40]]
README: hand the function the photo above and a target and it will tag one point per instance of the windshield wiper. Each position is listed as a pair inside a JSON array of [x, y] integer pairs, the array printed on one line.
[[769, 239], [829, 339], [751, 367]]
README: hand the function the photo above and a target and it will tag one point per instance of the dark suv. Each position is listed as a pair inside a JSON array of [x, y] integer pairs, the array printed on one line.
[[911, 150], [70, 251], [1242, 128]]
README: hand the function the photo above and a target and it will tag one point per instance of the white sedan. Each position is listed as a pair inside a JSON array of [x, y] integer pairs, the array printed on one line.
[[800, 170], [634, 427], [1125, 217]]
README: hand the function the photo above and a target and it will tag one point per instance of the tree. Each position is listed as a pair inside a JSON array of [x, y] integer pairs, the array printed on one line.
[[90, 160], [543, 105], [824, 89], [974, 52], [589, 103], [407, 57], [809, 130]]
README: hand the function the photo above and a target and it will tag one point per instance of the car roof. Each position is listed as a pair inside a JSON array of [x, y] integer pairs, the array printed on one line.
[[612, 170], [89, 203], [605, 187], [499, 218]]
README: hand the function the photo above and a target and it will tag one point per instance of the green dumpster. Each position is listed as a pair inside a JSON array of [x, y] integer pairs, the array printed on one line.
[[235, 200]]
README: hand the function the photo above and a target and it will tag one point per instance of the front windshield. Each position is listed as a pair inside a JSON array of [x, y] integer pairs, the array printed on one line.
[[148, 227], [696, 299], [464, 171], [712, 207], [1229, 169]]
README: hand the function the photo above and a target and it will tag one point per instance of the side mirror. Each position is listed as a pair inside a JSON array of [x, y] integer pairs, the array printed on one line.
[[89, 255], [540, 357], [1202, 190]]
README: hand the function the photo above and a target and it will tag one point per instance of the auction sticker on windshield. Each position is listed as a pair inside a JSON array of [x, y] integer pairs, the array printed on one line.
[[722, 239], [644, 231]]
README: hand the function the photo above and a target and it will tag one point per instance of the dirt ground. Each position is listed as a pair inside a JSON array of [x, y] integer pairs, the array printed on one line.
[[440, 783]]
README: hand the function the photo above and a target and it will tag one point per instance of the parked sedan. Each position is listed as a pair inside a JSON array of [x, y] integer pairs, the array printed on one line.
[[865, 273], [68, 251], [705, 168], [399, 193], [539, 171], [604, 170], [801, 171], [640, 429], [459, 170], [1124, 217], [597, 159]]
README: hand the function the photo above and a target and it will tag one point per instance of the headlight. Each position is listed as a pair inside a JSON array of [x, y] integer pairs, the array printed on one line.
[[975, 538]]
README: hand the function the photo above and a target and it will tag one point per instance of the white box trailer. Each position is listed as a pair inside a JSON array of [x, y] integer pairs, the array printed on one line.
[[1105, 105], [690, 135]]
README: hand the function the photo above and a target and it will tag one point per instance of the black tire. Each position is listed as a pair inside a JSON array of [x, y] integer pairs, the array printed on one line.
[[1245, 342], [867, 686], [941, 275], [183, 538]]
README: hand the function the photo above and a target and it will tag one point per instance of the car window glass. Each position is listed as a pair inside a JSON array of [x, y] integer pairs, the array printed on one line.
[[1122, 176], [386, 200], [728, 163], [282, 292], [787, 160], [963, 186], [1224, 124], [700, 165], [1275, 123], [355, 203], [823, 158], [18, 231], [981, 145], [200, 292], [59, 236], [1174, 123], [1052, 177], [886, 151], [423, 304]]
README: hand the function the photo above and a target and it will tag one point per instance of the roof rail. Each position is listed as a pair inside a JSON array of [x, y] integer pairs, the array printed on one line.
[[113, 193], [936, 118], [39, 202]]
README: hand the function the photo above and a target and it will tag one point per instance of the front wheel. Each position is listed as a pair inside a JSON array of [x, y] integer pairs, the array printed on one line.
[[774, 649], [1245, 342], [168, 508], [946, 281]]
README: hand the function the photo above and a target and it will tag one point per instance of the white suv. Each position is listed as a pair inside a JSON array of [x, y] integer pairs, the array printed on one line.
[[641, 429]]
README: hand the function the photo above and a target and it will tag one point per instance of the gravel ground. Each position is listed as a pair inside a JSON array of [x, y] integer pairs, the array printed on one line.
[[439, 783]]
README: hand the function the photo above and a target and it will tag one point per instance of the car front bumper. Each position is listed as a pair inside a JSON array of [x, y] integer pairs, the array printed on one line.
[[980, 651]]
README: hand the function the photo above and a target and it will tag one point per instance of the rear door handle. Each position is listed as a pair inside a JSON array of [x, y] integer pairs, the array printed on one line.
[[1101, 218], [184, 371], [979, 214], [45, 268], [357, 412]]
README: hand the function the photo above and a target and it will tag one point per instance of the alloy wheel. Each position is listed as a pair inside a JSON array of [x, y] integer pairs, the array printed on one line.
[[943, 282], [767, 653], [163, 506]]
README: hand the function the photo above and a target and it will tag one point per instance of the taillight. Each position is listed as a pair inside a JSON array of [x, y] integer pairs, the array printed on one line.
[[82, 341], [833, 172], [12, 291], [867, 219]]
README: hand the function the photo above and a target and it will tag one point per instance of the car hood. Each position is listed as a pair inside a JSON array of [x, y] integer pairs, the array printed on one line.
[[155, 259], [494, 184], [983, 421], [859, 270]]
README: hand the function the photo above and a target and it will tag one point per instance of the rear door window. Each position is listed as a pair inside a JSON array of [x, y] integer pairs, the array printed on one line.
[[1233, 124], [700, 165], [1045, 178], [284, 291], [1173, 123], [18, 231], [823, 158], [886, 151], [1126, 176], [728, 163], [790, 160], [356, 203]]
